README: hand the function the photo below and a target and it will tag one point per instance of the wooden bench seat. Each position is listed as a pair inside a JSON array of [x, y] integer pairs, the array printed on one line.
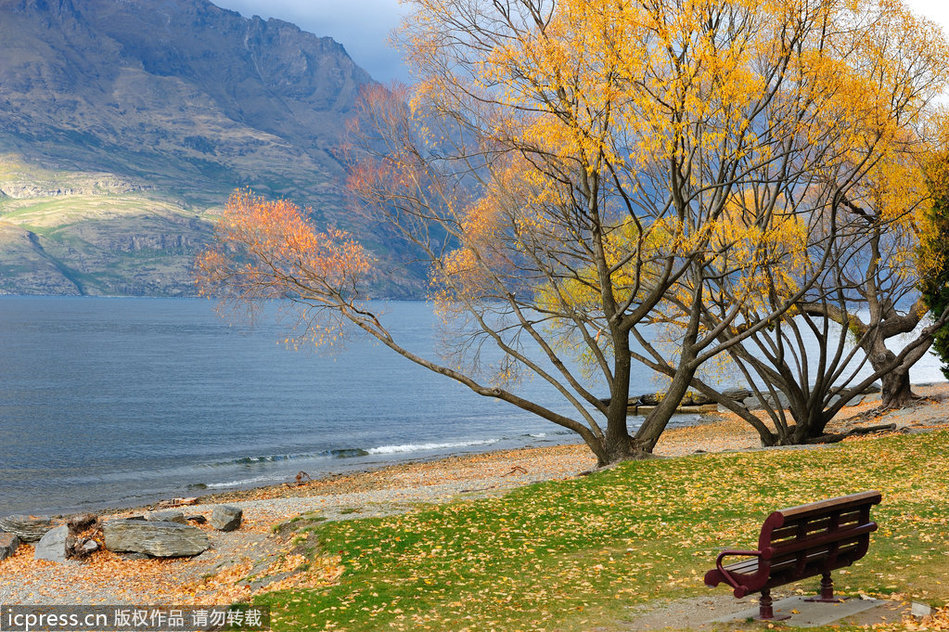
[[800, 542]]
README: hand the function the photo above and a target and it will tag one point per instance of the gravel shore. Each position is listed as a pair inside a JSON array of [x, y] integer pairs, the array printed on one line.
[[210, 577]]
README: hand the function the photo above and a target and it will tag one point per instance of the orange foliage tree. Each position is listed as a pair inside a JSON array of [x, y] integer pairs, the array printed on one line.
[[578, 175]]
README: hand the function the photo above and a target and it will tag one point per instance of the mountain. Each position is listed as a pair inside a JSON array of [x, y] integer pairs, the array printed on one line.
[[124, 125]]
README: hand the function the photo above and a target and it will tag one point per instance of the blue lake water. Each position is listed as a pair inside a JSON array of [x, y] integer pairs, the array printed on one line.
[[118, 401], [121, 401]]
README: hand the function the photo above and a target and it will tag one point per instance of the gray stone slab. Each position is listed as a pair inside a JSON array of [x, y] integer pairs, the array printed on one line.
[[808, 614], [27, 528], [8, 544], [158, 539], [52, 546], [165, 515]]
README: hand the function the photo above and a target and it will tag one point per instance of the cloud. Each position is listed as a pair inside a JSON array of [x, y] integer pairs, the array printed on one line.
[[363, 27]]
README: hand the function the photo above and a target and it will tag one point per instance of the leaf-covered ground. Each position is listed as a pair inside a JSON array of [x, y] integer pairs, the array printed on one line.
[[578, 554]]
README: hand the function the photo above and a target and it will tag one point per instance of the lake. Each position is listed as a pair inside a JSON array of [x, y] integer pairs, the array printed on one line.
[[123, 401], [120, 401]]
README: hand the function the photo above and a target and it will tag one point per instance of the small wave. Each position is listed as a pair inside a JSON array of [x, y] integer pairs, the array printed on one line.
[[241, 482], [351, 453], [345, 453], [263, 458], [542, 435], [340, 453], [270, 458], [421, 447]]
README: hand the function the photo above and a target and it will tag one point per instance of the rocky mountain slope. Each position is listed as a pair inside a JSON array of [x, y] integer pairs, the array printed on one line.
[[124, 124]]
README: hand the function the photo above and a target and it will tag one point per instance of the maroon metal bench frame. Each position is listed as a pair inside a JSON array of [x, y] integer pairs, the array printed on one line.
[[801, 542]]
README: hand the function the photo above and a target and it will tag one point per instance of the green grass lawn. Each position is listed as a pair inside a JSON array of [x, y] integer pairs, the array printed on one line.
[[578, 554]]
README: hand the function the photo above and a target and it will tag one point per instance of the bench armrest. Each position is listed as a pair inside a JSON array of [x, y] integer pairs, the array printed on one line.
[[721, 569]]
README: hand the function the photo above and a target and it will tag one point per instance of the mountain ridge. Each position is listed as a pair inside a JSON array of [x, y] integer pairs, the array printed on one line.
[[134, 116]]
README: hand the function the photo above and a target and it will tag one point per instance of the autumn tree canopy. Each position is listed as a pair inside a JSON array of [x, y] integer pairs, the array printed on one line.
[[579, 174], [839, 339]]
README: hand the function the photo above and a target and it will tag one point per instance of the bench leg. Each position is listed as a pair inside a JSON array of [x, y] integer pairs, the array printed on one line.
[[826, 591], [765, 608]]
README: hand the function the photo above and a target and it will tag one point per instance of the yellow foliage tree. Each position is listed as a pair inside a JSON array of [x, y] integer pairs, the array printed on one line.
[[807, 367], [579, 173]]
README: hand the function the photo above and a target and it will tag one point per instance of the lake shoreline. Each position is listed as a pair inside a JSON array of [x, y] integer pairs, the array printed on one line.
[[714, 432], [717, 431], [119, 402], [110, 403], [212, 577]]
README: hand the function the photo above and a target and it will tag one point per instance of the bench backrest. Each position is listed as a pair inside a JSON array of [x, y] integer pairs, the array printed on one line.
[[818, 537]]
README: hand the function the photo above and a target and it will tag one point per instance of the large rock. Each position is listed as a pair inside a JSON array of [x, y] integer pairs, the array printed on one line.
[[738, 394], [654, 399], [158, 539], [165, 515], [698, 399], [754, 403], [226, 517], [8, 545], [27, 528], [53, 545], [849, 398]]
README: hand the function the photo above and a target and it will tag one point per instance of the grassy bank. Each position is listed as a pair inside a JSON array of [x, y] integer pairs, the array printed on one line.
[[577, 554]]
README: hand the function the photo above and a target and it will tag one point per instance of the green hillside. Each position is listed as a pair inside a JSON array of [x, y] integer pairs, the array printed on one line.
[[65, 232]]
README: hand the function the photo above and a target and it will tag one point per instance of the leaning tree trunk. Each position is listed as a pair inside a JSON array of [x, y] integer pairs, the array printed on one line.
[[897, 390], [655, 423]]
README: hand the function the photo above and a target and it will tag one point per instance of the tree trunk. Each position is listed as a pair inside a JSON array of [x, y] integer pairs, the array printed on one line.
[[897, 390], [809, 423], [621, 448], [617, 445]]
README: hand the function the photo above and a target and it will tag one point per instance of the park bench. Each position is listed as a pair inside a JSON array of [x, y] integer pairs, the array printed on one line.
[[800, 542]]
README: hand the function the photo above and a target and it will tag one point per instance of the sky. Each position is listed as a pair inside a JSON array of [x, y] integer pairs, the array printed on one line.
[[363, 26], [935, 10]]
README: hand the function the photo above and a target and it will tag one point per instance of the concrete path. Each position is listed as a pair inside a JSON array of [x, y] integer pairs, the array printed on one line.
[[723, 612], [808, 614]]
